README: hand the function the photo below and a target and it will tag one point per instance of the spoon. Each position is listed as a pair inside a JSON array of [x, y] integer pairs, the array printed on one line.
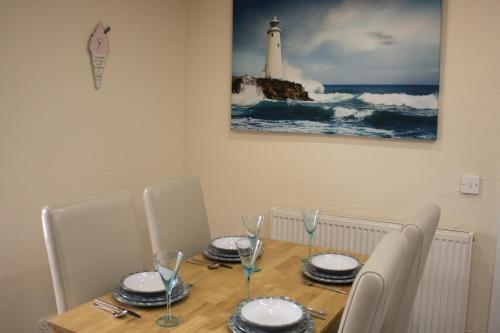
[[116, 314]]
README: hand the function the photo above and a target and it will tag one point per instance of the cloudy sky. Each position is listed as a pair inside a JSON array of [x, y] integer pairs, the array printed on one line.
[[343, 42]]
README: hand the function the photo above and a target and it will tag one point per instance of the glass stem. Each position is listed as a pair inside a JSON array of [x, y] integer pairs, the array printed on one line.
[[169, 313], [310, 244], [248, 286]]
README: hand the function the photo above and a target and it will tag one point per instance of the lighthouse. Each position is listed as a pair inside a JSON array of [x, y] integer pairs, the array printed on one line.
[[273, 60]]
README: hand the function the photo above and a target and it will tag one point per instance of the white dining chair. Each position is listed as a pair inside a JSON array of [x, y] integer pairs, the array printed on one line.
[[90, 246], [176, 216], [373, 287], [419, 232]]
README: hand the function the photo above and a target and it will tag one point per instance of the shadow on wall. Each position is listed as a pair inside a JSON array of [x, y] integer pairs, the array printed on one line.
[[335, 139], [27, 291]]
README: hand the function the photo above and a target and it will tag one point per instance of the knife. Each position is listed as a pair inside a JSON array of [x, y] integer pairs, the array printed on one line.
[[340, 291], [209, 263], [114, 307]]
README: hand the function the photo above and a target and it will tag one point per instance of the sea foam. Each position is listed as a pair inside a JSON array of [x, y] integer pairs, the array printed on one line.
[[330, 98], [248, 95], [342, 113], [295, 74], [416, 102]]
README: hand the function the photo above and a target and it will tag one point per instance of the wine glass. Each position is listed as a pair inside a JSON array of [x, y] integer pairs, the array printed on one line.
[[248, 254], [253, 225], [311, 219], [167, 264]]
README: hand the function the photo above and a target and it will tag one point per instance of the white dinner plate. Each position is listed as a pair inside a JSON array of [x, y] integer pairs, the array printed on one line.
[[144, 282], [334, 262], [272, 312], [226, 243]]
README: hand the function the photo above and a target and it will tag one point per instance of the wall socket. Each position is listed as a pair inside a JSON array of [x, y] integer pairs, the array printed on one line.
[[470, 184], [43, 327]]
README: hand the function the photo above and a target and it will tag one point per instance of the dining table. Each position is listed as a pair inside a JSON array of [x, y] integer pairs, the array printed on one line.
[[215, 293]]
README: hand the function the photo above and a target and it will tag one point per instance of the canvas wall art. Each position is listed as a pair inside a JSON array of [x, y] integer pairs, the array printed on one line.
[[344, 67]]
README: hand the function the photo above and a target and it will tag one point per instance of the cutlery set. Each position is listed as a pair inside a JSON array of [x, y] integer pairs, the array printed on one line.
[[210, 265], [116, 312]]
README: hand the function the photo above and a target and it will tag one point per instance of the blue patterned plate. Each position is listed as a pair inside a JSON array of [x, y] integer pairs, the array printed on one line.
[[332, 280], [314, 271], [218, 257], [178, 289], [218, 253], [214, 254], [149, 304], [237, 325]]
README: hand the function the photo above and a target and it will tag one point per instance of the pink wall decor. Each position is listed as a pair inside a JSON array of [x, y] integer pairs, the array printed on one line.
[[99, 49]]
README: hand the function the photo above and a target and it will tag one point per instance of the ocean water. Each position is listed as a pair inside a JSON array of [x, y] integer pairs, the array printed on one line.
[[389, 111]]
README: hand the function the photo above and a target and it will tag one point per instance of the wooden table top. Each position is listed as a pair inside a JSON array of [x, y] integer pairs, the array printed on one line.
[[215, 295]]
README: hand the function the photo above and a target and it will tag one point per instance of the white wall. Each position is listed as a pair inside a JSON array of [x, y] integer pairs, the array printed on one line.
[[245, 172], [61, 140]]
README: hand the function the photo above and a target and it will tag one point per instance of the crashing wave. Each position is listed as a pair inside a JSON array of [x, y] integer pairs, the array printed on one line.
[[323, 98], [343, 113], [249, 94], [295, 74], [331, 98], [416, 102]]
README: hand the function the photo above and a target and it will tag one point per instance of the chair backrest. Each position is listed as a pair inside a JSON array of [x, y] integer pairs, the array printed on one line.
[[90, 246], [373, 287], [419, 232], [176, 216]]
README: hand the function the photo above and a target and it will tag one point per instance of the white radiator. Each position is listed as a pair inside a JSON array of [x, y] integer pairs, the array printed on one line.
[[441, 303]]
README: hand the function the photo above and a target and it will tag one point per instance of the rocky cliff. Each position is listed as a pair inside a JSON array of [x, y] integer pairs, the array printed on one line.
[[272, 88]]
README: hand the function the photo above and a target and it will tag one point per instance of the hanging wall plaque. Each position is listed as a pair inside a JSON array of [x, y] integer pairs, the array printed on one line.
[[99, 49]]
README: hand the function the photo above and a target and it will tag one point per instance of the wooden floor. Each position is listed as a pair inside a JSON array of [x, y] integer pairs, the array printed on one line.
[[215, 295]]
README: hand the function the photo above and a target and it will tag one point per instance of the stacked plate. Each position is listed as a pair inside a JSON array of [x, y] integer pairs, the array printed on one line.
[[223, 249], [146, 289], [332, 268], [270, 314]]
